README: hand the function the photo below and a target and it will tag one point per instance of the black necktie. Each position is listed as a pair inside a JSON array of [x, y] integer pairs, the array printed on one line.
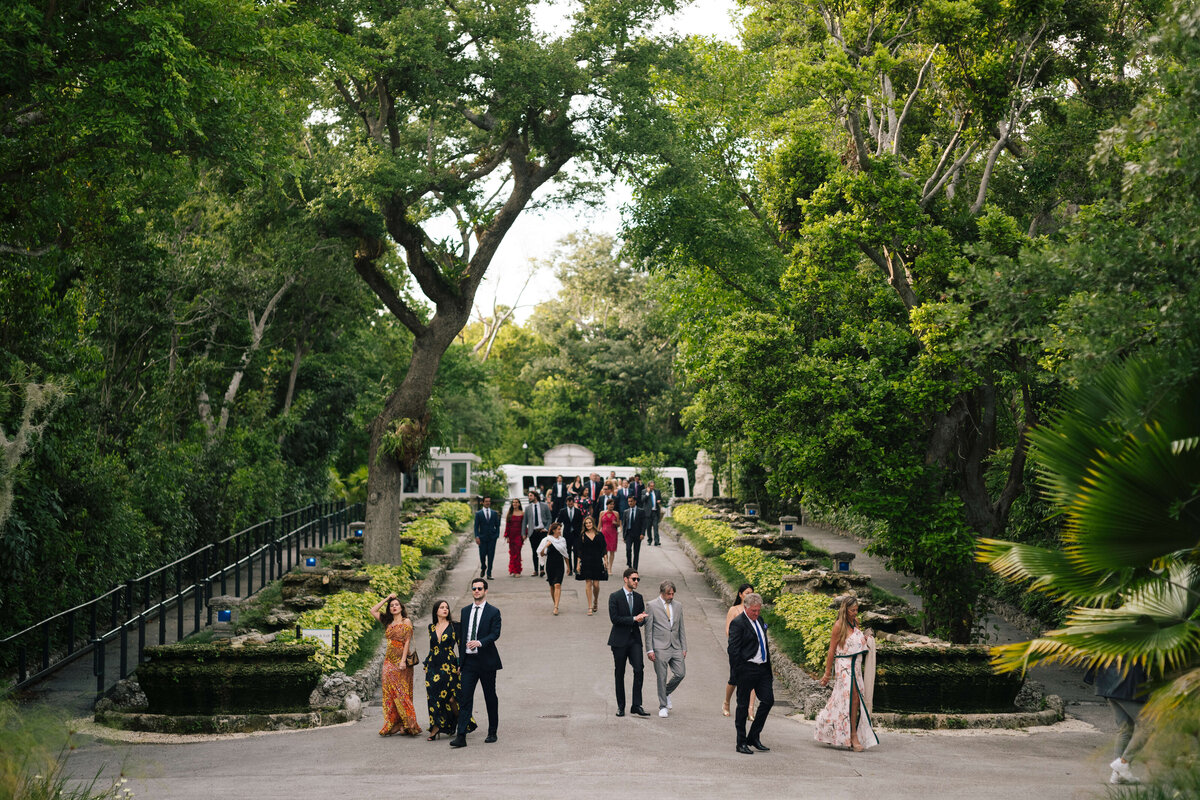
[[474, 623], [629, 596]]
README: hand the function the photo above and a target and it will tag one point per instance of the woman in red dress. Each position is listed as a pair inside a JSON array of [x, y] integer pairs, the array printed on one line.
[[609, 520], [512, 532], [399, 715]]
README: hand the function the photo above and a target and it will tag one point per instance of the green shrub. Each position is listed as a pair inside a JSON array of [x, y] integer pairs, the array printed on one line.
[[764, 571], [351, 611], [719, 535], [459, 515], [212, 678], [811, 617], [956, 679], [396, 579], [428, 533]]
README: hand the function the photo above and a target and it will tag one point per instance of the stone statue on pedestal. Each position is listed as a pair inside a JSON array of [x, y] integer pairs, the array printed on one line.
[[703, 485]]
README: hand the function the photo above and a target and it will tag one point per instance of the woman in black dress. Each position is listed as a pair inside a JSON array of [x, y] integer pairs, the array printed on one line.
[[591, 554], [442, 677], [553, 550]]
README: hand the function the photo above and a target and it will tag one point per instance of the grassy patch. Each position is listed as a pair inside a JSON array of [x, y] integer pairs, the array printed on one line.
[[367, 646], [202, 636], [728, 572], [337, 548]]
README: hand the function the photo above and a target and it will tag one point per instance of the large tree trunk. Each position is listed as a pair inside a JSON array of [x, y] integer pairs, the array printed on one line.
[[381, 539]]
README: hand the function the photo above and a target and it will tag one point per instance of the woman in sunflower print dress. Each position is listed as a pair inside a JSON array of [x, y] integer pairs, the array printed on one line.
[[399, 715], [442, 677]]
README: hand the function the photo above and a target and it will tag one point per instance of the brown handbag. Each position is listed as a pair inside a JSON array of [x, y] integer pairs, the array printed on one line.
[[413, 659]]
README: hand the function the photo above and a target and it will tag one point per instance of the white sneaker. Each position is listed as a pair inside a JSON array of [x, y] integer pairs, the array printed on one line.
[[669, 704], [1121, 773], [662, 712]]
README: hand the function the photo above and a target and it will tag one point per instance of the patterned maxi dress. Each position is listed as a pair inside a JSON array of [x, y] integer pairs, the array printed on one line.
[[443, 680], [399, 715], [833, 723]]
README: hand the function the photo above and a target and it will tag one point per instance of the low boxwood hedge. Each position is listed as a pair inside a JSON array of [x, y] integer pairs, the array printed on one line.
[[955, 679], [459, 515], [216, 679]]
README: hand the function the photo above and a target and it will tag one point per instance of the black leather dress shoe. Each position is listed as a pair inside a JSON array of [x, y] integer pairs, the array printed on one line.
[[641, 712], [760, 747], [620, 712], [458, 741], [491, 737], [745, 749]]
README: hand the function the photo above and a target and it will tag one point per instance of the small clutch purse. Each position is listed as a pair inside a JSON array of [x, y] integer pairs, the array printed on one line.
[[413, 659]]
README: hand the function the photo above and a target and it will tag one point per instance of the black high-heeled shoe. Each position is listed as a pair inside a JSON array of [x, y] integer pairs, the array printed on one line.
[[433, 737]]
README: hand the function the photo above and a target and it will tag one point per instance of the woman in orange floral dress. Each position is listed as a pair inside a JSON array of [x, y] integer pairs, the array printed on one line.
[[399, 715]]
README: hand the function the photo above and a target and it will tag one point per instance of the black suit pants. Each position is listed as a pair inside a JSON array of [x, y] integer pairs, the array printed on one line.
[[466, 700], [487, 554], [535, 538], [631, 653], [755, 678], [633, 549]]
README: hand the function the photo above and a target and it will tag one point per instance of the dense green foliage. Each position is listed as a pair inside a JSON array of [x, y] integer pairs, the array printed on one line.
[[215, 679]]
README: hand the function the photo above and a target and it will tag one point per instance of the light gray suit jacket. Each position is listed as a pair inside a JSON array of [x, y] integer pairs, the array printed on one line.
[[661, 634], [544, 518]]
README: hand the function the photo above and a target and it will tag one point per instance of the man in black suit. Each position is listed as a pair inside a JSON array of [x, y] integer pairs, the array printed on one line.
[[479, 661], [558, 496], [487, 531], [534, 524], [652, 507], [637, 487], [750, 659], [632, 522], [627, 613], [591, 490], [571, 519]]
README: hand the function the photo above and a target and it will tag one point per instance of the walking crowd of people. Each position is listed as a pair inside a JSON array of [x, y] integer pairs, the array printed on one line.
[[573, 529]]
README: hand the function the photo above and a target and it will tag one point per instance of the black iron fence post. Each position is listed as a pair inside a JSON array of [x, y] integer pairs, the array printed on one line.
[[98, 665]]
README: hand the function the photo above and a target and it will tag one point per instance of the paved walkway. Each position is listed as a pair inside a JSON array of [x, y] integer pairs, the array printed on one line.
[[558, 733]]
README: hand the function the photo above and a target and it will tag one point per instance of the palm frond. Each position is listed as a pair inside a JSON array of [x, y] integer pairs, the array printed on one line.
[[1054, 572], [1183, 690]]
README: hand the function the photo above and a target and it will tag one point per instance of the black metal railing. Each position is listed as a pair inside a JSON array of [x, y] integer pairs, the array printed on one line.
[[184, 586]]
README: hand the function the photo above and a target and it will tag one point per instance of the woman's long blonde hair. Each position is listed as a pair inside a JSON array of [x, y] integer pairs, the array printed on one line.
[[842, 624]]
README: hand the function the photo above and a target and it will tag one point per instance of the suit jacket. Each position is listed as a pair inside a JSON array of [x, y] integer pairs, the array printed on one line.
[[488, 657], [544, 517], [572, 529], [591, 490], [637, 487], [487, 528], [662, 635], [558, 494], [632, 523], [657, 495], [625, 629], [743, 641], [624, 499]]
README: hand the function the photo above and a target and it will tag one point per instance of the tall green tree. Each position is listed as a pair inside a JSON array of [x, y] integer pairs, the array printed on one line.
[[461, 114]]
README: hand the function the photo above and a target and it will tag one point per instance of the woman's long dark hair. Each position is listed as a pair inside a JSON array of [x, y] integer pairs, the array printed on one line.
[[449, 611], [740, 590], [386, 617]]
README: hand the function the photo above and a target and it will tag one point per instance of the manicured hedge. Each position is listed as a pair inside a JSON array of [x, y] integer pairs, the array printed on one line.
[[459, 515], [214, 679], [766, 572], [811, 617], [428, 533], [689, 515], [957, 679]]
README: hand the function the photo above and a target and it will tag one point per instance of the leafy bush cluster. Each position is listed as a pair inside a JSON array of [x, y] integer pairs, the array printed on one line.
[[429, 533], [717, 534], [842, 518], [764, 571], [459, 515], [396, 579], [811, 617], [350, 610]]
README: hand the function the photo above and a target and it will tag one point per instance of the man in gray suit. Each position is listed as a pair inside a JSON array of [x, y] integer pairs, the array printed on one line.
[[534, 526], [666, 643]]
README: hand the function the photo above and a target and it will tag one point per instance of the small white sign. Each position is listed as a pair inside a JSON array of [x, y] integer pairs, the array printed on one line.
[[325, 635]]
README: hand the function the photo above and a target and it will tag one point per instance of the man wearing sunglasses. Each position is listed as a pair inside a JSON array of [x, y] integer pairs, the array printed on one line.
[[627, 612], [479, 661]]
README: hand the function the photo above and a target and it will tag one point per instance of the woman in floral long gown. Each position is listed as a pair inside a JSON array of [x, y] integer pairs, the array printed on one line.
[[845, 720], [399, 715], [442, 677]]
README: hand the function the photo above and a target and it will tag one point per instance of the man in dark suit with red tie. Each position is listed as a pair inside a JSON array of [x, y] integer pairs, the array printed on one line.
[[627, 612], [750, 659], [479, 661], [591, 490]]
